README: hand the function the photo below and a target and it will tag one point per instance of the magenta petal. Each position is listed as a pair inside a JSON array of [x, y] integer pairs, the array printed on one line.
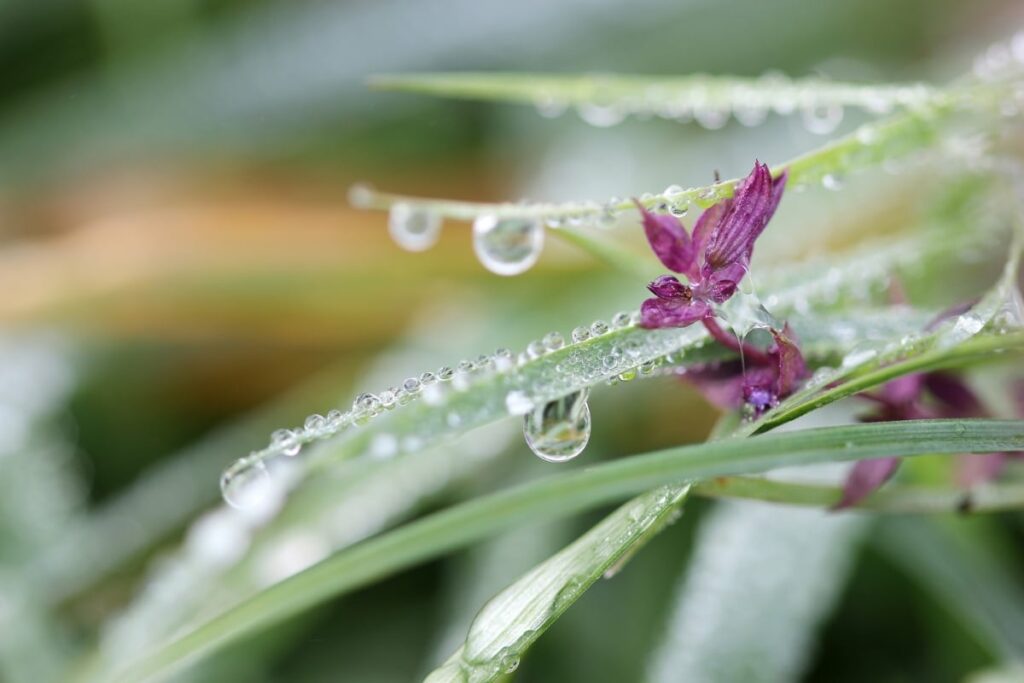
[[668, 287], [760, 389], [742, 223], [704, 228], [903, 391], [978, 468], [864, 479], [656, 313], [957, 399], [753, 204], [669, 240], [720, 385], [791, 365]]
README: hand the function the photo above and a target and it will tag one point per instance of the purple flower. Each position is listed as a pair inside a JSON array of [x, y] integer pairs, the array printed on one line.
[[768, 376], [914, 397], [715, 258]]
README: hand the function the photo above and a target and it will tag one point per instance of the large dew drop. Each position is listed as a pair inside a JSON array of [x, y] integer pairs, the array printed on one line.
[[559, 430], [507, 246], [246, 485], [413, 229]]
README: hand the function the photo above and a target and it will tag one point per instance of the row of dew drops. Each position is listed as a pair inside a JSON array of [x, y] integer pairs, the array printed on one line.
[[712, 106], [511, 245], [556, 431]]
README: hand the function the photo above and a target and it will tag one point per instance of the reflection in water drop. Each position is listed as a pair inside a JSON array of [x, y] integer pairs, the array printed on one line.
[[413, 229], [507, 246], [559, 430], [247, 486]]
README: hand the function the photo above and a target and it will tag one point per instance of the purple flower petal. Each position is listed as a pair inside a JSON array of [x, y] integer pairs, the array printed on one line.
[[720, 384], [903, 391], [704, 228], [791, 365], [761, 389], [669, 287], [864, 479], [753, 204], [957, 399], [979, 468], [669, 240], [678, 312]]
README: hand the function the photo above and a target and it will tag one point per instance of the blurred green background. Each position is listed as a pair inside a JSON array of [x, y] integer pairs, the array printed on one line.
[[175, 239]]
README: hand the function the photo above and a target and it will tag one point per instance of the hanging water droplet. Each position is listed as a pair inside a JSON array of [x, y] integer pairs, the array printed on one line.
[[831, 181], [244, 484], [599, 115], [507, 246], [711, 118], [822, 119], [360, 195], [559, 430], [750, 114], [412, 228], [550, 106]]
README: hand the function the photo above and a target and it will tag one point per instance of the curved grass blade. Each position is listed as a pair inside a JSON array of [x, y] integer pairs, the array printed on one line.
[[513, 619], [673, 97], [558, 496]]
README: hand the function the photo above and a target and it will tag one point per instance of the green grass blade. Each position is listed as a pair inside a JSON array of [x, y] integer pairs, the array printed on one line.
[[562, 495]]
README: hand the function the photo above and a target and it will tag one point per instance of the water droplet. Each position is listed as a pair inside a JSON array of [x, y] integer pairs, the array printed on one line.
[[245, 484], [503, 360], [366, 403], [445, 373], [411, 385], [314, 422], [559, 430], [413, 229], [622, 319], [507, 246], [535, 349], [831, 181], [580, 334], [711, 118], [601, 116], [388, 397], [553, 341], [750, 115], [518, 403], [598, 327], [550, 106], [428, 378], [822, 119], [288, 441], [360, 195]]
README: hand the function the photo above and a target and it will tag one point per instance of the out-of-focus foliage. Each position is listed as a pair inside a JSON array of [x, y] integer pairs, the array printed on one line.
[[182, 274]]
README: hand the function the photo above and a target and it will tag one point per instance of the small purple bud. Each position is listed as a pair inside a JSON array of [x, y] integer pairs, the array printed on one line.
[[669, 287]]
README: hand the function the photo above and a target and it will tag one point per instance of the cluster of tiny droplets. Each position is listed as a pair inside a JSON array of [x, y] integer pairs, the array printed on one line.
[[712, 106], [366, 406]]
